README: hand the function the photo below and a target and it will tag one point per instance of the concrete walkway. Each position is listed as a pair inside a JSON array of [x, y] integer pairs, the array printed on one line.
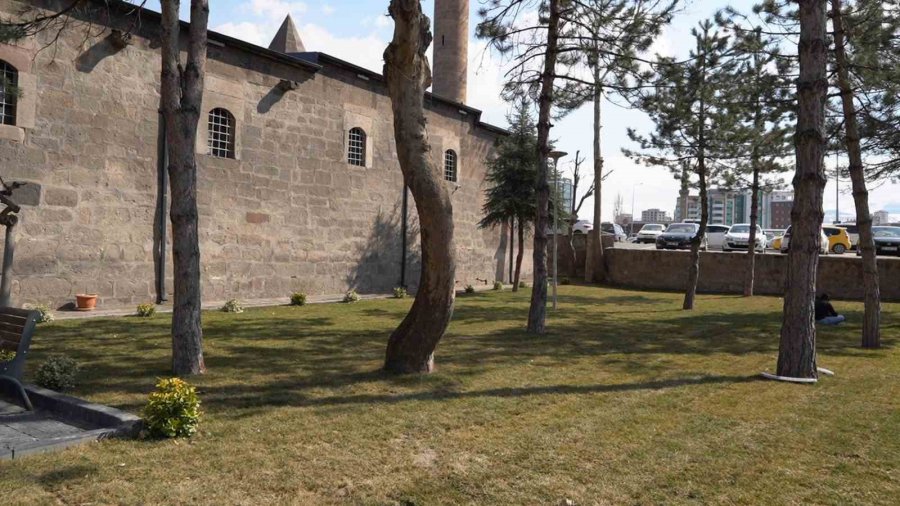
[[58, 421]]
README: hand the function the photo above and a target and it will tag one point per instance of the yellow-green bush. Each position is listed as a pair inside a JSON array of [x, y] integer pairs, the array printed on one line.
[[173, 410], [400, 292], [298, 299], [146, 310]]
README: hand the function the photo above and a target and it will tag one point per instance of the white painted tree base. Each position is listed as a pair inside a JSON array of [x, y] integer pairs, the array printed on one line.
[[789, 379]]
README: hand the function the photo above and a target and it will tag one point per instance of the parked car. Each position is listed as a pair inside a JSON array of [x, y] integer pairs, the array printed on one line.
[[738, 237], [887, 240], [650, 232], [715, 236], [582, 227], [679, 236], [786, 242], [838, 239], [852, 231], [776, 242], [771, 235], [613, 229]]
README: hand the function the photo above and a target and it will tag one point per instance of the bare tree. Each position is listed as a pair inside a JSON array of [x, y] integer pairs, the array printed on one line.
[[575, 208], [411, 346], [797, 347], [618, 208], [181, 92], [181, 95]]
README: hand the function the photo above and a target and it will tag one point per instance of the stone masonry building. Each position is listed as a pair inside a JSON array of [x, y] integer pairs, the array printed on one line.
[[298, 180]]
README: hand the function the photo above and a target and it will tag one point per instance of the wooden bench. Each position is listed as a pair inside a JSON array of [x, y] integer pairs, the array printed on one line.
[[16, 329]]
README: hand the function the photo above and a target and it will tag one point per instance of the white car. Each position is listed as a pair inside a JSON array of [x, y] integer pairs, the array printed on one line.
[[715, 236], [738, 237], [649, 233], [786, 241], [582, 227]]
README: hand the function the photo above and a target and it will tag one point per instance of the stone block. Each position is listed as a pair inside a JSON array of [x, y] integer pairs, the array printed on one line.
[[257, 218], [61, 197]]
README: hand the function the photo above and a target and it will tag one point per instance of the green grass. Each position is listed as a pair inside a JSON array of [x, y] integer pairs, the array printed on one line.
[[626, 400]]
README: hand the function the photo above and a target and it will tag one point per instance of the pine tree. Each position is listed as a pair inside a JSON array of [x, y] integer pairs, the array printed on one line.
[[510, 176], [760, 98], [691, 123]]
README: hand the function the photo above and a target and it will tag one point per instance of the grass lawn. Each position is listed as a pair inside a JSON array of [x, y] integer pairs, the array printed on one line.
[[626, 400]]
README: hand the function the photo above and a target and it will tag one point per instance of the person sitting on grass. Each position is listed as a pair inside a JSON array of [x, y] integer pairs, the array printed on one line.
[[825, 313]]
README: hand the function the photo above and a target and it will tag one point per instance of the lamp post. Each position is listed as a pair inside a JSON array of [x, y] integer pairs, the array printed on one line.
[[631, 228], [555, 155]]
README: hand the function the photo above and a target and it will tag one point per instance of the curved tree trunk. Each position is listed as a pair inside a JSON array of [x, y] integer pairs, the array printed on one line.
[[537, 313], [871, 332], [797, 347], [693, 276], [594, 264], [411, 346], [521, 229], [181, 95]]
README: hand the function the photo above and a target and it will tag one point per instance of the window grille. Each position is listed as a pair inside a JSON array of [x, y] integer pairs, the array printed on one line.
[[450, 165], [9, 87], [356, 147], [221, 133]]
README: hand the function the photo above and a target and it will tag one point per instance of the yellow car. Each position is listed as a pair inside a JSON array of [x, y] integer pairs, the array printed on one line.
[[776, 243], [838, 239]]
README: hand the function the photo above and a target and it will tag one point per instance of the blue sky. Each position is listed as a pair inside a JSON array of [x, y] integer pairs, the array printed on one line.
[[358, 31]]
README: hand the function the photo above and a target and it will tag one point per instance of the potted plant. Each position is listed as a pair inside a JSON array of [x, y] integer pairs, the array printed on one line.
[[85, 301]]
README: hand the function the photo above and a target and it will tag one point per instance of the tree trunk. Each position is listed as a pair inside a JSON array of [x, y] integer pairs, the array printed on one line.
[[871, 332], [693, 277], [754, 219], [570, 245], [594, 264], [797, 347], [181, 96], [512, 247], [411, 346], [537, 313], [521, 254]]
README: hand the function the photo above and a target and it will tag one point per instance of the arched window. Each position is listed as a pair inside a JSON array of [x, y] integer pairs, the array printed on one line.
[[221, 133], [9, 91], [450, 165], [356, 147]]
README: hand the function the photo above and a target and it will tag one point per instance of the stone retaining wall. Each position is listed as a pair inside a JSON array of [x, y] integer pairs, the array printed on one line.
[[839, 276]]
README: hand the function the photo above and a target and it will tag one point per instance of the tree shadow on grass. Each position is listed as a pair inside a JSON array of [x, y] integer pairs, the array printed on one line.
[[277, 356]]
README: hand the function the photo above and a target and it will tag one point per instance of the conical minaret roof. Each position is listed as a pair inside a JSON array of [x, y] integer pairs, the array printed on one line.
[[287, 40]]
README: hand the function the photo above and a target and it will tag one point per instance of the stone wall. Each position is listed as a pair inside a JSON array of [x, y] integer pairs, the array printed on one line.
[[839, 277], [287, 214]]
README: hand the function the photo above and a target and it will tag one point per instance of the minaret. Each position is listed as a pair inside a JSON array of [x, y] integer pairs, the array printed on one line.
[[451, 46], [287, 40]]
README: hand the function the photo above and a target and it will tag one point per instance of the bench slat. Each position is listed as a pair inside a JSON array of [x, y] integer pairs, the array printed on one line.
[[9, 346], [12, 337], [12, 327], [22, 313], [13, 319]]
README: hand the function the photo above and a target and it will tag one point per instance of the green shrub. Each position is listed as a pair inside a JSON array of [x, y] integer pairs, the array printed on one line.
[[44, 313], [7, 355], [351, 296], [298, 299], [565, 281], [58, 373], [173, 410], [470, 289], [146, 310], [523, 284], [498, 285], [233, 306], [400, 292]]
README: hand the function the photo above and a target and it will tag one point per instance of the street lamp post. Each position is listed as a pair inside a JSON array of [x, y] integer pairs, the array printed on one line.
[[556, 155], [633, 188]]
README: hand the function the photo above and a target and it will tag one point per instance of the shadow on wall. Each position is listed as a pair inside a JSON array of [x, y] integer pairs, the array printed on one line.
[[501, 257], [378, 267]]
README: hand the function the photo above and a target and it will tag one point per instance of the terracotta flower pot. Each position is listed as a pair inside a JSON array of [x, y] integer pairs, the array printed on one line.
[[86, 301]]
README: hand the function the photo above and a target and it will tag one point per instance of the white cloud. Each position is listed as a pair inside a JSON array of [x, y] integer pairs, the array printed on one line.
[[276, 9], [254, 33], [327, 9]]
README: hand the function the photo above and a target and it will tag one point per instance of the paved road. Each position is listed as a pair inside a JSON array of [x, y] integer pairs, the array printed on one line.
[[632, 245]]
